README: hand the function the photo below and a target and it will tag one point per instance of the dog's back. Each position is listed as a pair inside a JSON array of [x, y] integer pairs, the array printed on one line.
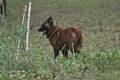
[[72, 37]]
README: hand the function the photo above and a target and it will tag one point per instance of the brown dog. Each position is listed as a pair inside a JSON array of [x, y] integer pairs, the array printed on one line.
[[62, 39]]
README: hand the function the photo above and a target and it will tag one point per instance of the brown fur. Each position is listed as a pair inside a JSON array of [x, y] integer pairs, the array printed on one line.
[[63, 39]]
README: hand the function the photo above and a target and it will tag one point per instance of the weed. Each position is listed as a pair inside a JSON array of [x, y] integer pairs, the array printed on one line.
[[99, 58]]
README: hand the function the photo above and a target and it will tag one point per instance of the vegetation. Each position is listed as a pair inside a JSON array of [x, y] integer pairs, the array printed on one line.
[[100, 55]]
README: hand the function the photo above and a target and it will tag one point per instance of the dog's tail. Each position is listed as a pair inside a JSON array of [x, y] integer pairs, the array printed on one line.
[[80, 41]]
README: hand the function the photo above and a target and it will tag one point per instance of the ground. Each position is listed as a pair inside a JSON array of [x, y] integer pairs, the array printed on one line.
[[100, 55]]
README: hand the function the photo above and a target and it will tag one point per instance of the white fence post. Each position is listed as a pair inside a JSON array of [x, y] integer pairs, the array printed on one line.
[[28, 25], [25, 8]]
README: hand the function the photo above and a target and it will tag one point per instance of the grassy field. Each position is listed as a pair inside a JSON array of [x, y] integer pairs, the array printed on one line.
[[99, 21]]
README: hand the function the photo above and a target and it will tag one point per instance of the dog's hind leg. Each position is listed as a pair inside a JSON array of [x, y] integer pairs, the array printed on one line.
[[71, 47], [74, 49], [77, 49]]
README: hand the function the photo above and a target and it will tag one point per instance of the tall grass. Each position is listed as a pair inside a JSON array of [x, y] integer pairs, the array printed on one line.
[[99, 58]]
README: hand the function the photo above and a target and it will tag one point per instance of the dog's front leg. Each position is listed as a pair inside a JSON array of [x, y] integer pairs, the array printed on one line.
[[56, 52], [65, 52]]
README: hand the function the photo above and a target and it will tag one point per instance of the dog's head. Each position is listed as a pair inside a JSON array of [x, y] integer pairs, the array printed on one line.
[[46, 27]]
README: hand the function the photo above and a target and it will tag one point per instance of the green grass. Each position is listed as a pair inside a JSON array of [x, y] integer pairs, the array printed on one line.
[[100, 54]]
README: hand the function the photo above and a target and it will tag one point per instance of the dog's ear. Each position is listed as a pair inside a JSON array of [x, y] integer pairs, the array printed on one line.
[[50, 17], [50, 20]]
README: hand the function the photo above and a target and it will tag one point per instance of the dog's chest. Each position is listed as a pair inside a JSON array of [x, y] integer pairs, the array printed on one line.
[[53, 41]]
